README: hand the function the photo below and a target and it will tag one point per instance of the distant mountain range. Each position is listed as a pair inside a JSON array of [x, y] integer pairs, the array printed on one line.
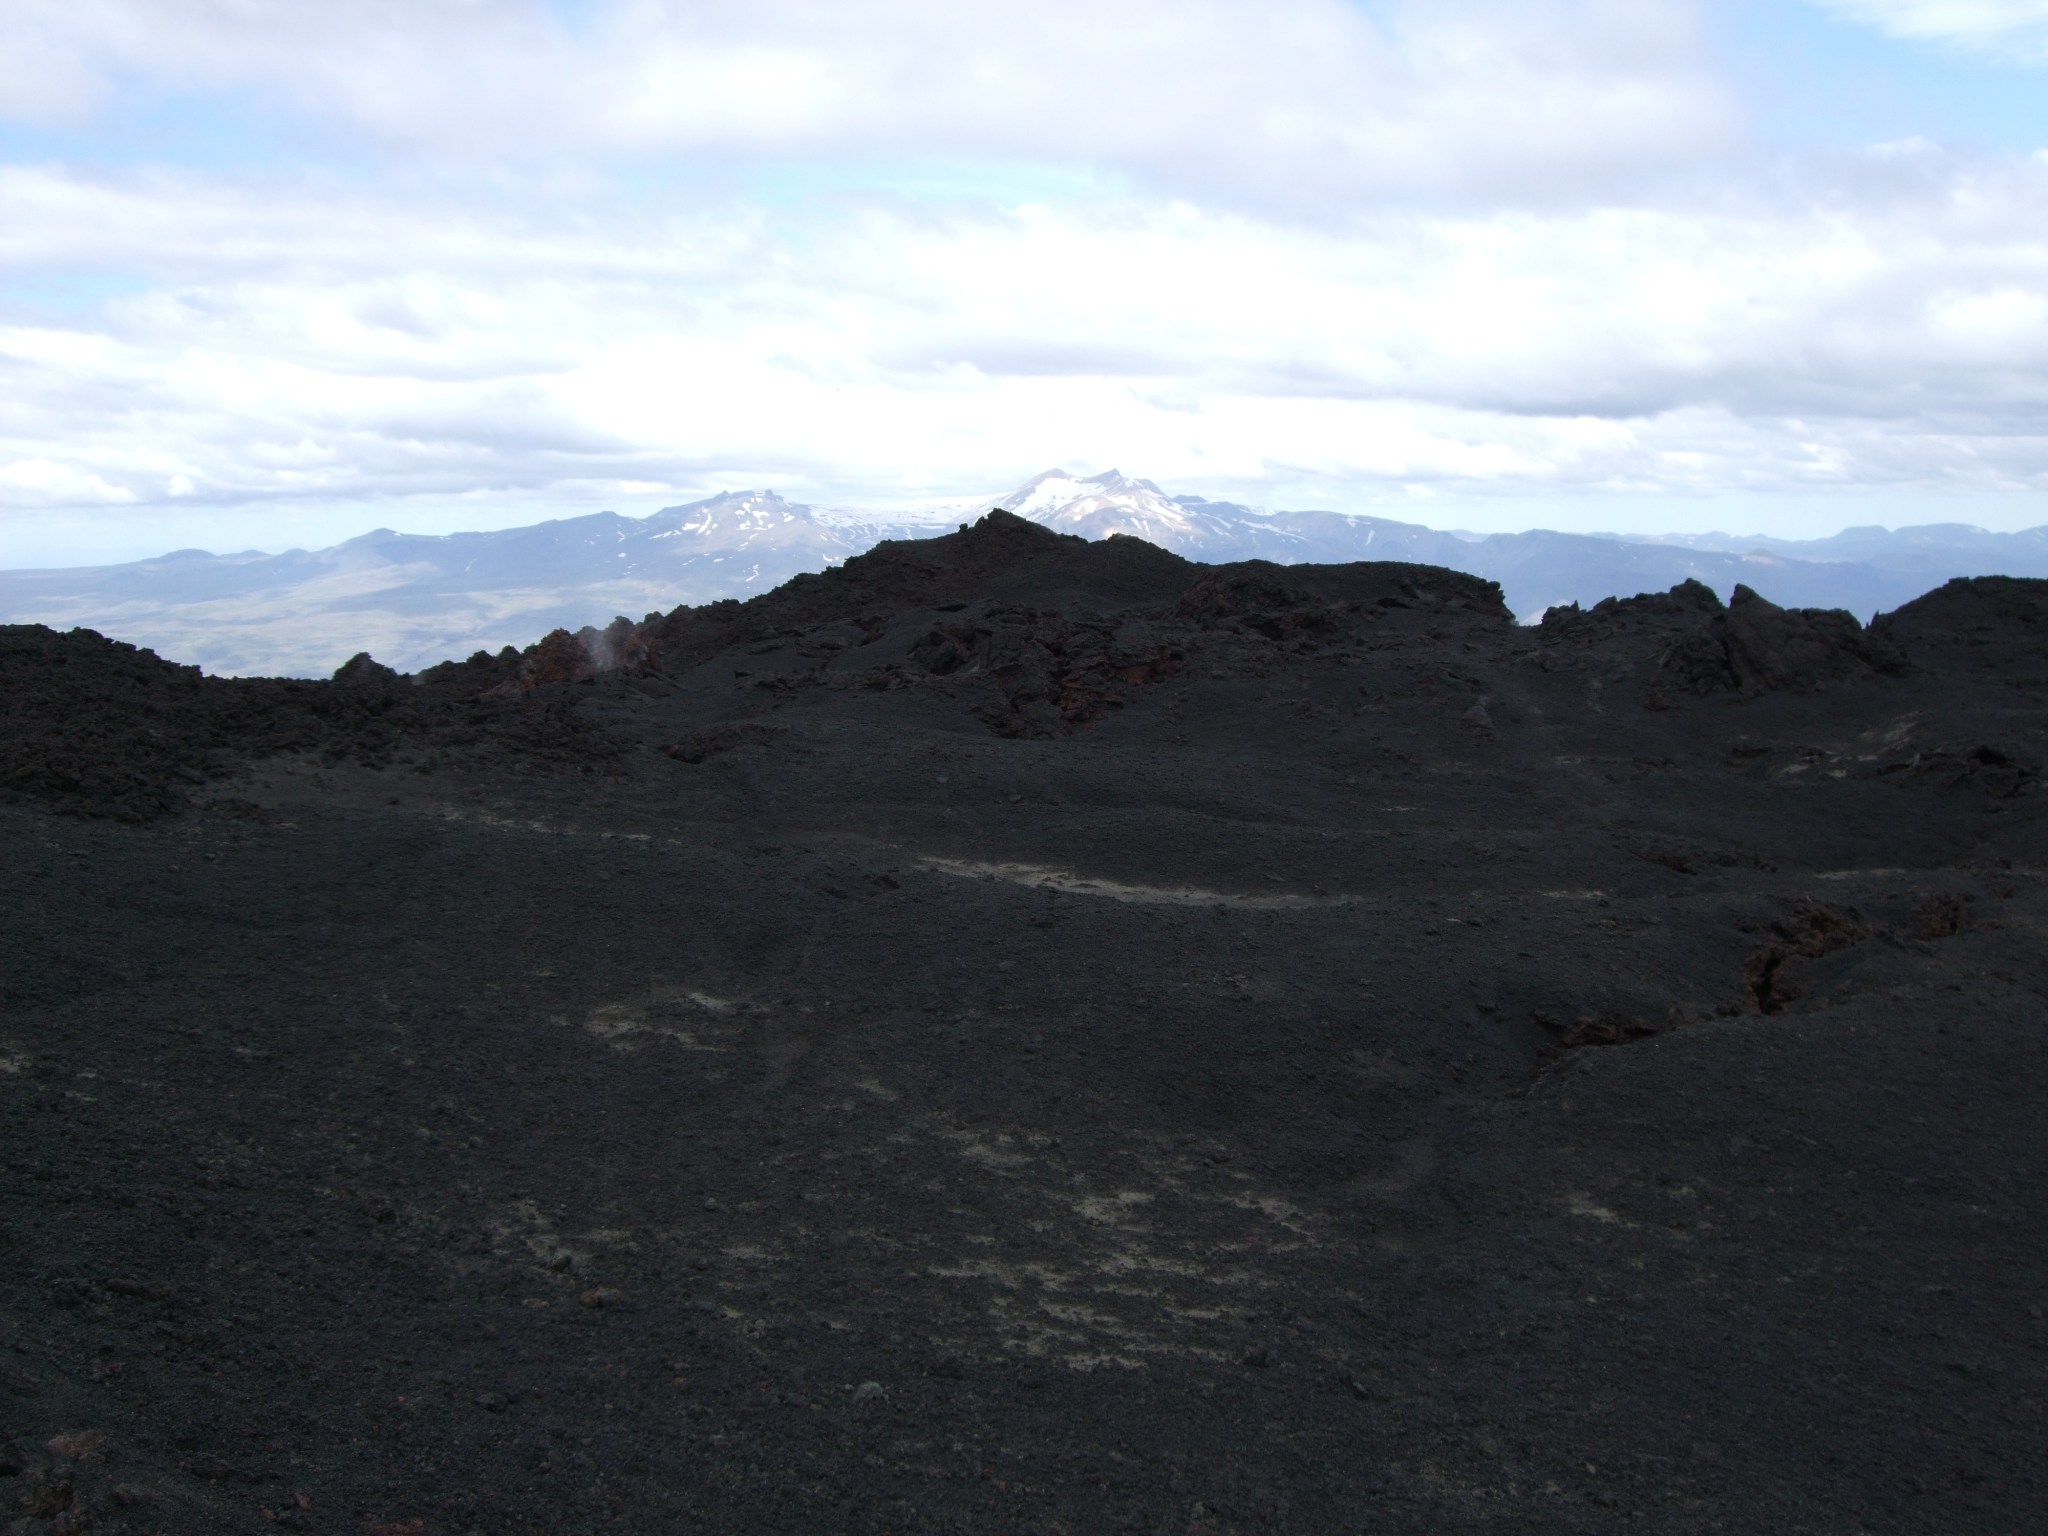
[[1865, 570], [413, 600]]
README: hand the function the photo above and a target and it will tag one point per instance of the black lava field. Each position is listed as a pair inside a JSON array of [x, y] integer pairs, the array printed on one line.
[[1025, 1035]]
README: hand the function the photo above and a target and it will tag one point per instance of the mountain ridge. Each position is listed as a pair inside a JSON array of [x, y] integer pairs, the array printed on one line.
[[415, 599]]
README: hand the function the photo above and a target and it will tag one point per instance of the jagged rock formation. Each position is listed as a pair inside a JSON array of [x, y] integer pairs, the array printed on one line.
[[1755, 645]]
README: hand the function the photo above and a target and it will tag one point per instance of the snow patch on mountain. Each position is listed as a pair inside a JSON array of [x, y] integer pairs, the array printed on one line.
[[1113, 504]]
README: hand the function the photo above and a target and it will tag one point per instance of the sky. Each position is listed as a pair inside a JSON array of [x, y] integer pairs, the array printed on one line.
[[274, 274]]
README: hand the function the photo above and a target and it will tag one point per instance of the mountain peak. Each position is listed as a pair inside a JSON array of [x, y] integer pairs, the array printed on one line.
[[1057, 488], [1111, 503], [734, 512]]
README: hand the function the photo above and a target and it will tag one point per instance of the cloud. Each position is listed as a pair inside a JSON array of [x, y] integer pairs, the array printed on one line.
[[45, 482], [867, 251], [310, 343], [1276, 101], [2014, 29]]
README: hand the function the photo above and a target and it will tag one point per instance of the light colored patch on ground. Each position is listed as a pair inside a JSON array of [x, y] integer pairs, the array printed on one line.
[[1077, 1314], [1274, 1209], [13, 1059], [680, 1014], [1157, 1265], [1030, 1258], [1077, 1337], [1133, 1261], [999, 1151], [1113, 1210], [1044, 877], [1586, 1206], [1100, 1362], [522, 1224], [1011, 1277]]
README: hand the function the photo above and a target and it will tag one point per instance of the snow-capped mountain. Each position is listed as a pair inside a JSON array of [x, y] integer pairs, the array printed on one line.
[[413, 600], [1864, 571], [748, 522], [1115, 505], [1097, 505]]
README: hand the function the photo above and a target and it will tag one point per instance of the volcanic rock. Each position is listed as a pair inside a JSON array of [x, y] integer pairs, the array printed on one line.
[[1020, 1034]]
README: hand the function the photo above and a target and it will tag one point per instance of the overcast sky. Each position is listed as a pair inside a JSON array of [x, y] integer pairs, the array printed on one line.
[[274, 273]]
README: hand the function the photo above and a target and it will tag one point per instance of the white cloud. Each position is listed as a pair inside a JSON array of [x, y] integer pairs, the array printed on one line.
[[1274, 100], [311, 346], [1405, 249], [45, 482], [2015, 28]]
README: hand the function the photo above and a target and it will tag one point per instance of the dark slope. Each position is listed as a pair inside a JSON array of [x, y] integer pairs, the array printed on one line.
[[94, 727], [1026, 1035]]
